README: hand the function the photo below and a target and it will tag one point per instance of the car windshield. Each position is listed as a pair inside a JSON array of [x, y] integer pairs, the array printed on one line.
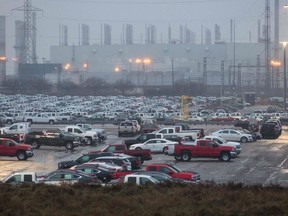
[[174, 168], [66, 133], [160, 178], [222, 140], [87, 127]]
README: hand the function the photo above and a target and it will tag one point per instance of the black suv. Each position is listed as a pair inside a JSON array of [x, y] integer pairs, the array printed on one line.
[[82, 159], [269, 130]]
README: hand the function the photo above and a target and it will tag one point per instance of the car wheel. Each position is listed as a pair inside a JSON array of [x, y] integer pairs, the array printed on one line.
[[30, 121], [186, 156], [89, 141], [35, 145], [21, 155], [225, 157], [244, 140], [69, 146], [138, 148], [9, 122], [165, 150], [51, 122], [178, 158]]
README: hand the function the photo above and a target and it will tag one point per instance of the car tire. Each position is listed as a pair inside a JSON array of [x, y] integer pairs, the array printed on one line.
[[35, 145], [9, 122], [185, 156], [225, 156], [30, 121], [69, 146], [89, 142], [21, 155], [138, 148], [165, 150], [178, 158], [244, 140], [51, 122]]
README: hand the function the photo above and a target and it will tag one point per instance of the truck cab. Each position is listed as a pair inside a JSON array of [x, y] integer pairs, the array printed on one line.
[[140, 179], [174, 172], [17, 128], [78, 131], [22, 177]]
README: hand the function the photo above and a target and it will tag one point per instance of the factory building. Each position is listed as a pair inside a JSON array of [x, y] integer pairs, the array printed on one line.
[[163, 64]]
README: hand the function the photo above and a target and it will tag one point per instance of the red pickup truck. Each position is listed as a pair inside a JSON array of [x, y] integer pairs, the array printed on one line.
[[9, 147], [168, 169], [144, 154], [204, 148], [174, 172]]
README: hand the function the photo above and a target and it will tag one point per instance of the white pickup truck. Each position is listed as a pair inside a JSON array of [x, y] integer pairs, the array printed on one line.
[[16, 128], [101, 132], [139, 179], [92, 136], [40, 118], [19, 130], [194, 134], [21, 177]]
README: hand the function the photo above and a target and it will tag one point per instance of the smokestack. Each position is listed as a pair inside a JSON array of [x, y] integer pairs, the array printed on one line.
[[231, 31], [259, 30]]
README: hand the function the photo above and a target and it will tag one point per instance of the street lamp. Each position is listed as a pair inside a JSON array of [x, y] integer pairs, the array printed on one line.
[[130, 70], [138, 61], [285, 82], [67, 67], [85, 66], [146, 62]]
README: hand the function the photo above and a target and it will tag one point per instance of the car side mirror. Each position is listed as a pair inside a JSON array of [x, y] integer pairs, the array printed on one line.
[[215, 145]]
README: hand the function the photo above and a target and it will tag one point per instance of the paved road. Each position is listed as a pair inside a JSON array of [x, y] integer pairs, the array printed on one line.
[[263, 162]]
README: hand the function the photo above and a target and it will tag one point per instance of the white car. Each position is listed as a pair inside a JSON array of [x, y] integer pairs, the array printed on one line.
[[233, 135], [155, 145], [196, 118], [224, 142]]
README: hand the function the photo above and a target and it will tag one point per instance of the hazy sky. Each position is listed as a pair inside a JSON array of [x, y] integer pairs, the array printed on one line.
[[161, 13]]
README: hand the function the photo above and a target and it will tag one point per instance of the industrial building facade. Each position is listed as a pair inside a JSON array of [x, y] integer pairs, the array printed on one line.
[[208, 64]]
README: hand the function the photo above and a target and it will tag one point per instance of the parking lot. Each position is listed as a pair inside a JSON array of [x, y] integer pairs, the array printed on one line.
[[262, 162]]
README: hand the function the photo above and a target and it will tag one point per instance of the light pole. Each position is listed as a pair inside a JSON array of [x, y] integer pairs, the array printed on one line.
[[146, 63], [130, 70], [43, 68], [285, 82], [138, 62]]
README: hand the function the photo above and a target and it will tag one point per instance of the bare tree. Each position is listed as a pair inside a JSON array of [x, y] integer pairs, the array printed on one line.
[[66, 87], [40, 86], [123, 85], [13, 85], [96, 84]]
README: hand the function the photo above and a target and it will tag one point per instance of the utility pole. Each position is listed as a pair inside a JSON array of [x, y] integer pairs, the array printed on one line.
[[172, 63], [267, 47], [222, 80]]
